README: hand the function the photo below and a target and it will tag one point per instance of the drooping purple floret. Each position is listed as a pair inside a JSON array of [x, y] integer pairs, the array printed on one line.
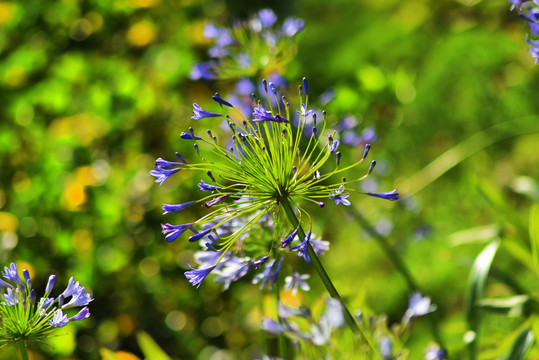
[[207, 187], [221, 101], [168, 208], [196, 276], [267, 17], [59, 319], [12, 274], [269, 275], [272, 326], [303, 248], [199, 235], [79, 298], [287, 241], [203, 70], [534, 51], [174, 231], [292, 26], [166, 164], [162, 174], [199, 113], [390, 195], [188, 136], [81, 315], [245, 87], [339, 197], [261, 114]]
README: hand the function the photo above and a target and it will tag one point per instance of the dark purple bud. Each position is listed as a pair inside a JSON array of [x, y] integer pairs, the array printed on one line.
[[373, 164], [217, 98], [200, 235], [174, 231], [210, 175], [210, 246], [281, 119], [321, 204], [33, 296], [50, 284], [206, 187], [272, 88], [200, 113], [305, 86], [181, 158], [187, 136], [338, 155], [215, 200], [26, 276], [196, 148], [265, 84], [258, 263], [366, 152], [168, 208], [390, 195]]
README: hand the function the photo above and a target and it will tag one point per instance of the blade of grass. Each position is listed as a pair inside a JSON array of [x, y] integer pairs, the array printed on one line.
[[476, 289]]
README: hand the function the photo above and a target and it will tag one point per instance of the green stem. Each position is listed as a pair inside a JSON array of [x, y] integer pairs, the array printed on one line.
[[320, 269], [397, 262], [22, 349], [280, 337]]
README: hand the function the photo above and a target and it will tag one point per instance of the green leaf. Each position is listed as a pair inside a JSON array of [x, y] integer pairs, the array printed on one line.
[[149, 347], [511, 306], [521, 346], [534, 235], [476, 289]]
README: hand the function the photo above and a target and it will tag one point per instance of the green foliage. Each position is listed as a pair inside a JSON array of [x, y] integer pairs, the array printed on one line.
[[92, 92]]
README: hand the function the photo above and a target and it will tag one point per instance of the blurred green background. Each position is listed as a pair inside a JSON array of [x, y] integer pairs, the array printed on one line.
[[92, 92]]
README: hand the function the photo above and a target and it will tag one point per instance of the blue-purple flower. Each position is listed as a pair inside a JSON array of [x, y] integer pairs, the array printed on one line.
[[390, 195], [196, 276], [200, 113], [261, 175], [23, 316]]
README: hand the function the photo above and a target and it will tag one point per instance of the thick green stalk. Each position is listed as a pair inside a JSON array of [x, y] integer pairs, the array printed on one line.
[[22, 349], [397, 262], [319, 268]]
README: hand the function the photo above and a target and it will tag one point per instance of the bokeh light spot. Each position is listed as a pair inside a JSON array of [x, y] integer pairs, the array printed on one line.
[[141, 33], [176, 320], [212, 326], [8, 222], [149, 267]]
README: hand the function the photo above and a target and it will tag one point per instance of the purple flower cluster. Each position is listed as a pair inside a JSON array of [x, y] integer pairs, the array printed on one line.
[[529, 10], [40, 316], [229, 49]]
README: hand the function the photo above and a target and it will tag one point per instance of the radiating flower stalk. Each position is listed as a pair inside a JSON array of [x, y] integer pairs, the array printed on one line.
[[529, 10], [268, 172], [24, 318]]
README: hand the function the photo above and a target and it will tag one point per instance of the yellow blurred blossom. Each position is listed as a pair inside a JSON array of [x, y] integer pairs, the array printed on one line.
[[8, 222], [141, 33], [6, 12], [83, 128]]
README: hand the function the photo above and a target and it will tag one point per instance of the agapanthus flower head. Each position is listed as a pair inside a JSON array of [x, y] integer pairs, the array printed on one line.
[[318, 333], [265, 171], [529, 10], [250, 48], [25, 318]]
